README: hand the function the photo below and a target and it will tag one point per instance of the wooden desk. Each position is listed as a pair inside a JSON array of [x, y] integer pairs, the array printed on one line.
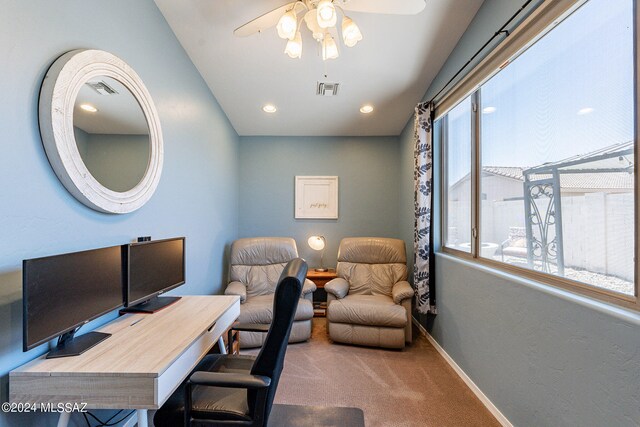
[[138, 367], [320, 278]]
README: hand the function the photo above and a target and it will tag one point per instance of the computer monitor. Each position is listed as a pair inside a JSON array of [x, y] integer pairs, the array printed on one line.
[[153, 268], [63, 292]]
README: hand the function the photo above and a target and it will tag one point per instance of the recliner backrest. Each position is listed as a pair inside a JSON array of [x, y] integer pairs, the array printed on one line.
[[372, 265], [258, 262], [270, 360]]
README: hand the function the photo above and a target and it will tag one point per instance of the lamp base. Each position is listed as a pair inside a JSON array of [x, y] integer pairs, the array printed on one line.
[[322, 270]]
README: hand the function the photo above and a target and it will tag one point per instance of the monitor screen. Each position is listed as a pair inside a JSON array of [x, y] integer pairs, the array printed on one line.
[[154, 267], [63, 292]]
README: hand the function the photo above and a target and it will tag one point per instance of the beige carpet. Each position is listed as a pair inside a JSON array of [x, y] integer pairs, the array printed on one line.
[[413, 387]]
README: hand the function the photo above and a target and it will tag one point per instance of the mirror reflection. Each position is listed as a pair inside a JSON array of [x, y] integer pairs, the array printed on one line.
[[111, 133]]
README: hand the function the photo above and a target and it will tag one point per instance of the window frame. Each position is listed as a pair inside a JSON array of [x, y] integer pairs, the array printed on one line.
[[551, 13]]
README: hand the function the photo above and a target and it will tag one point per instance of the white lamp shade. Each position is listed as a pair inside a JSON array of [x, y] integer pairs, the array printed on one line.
[[311, 19], [287, 25], [327, 16], [294, 47], [329, 48], [350, 32], [317, 243]]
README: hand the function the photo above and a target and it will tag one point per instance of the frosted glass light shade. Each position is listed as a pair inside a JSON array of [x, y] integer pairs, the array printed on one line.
[[287, 25], [317, 243], [294, 47], [329, 48], [350, 32], [327, 16], [311, 19]]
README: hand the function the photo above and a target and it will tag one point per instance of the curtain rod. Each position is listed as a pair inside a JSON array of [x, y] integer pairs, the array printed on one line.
[[475, 55]]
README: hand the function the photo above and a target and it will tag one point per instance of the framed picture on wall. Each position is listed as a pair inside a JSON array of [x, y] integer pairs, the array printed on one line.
[[316, 197]]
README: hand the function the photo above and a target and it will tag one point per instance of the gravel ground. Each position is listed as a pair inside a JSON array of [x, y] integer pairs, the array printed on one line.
[[603, 281]]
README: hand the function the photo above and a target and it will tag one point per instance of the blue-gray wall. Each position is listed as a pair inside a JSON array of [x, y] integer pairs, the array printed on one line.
[[544, 357], [197, 195], [367, 168]]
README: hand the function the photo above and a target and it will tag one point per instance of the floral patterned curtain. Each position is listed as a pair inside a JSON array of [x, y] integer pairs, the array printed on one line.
[[422, 237]]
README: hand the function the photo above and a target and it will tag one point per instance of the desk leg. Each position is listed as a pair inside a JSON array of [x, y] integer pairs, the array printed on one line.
[[142, 418], [223, 349], [63, 420]]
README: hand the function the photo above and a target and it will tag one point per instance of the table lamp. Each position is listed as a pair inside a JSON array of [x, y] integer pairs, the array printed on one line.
[[317, 243]]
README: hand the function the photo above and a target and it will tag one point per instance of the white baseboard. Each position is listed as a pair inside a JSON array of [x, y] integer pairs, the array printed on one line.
[[468, 381]]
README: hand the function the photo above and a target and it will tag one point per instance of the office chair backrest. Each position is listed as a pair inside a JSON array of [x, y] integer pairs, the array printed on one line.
[[270, 360]]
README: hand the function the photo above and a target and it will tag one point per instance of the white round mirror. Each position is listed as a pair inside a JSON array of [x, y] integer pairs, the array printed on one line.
[[101, 131]]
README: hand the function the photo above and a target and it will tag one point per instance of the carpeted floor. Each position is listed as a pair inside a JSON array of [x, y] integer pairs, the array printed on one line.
[[413, 387]]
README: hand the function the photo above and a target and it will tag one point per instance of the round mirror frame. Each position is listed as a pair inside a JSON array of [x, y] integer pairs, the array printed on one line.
[[57, 98]]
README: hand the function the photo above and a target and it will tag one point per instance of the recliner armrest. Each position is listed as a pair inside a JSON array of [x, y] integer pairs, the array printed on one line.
[[337, 287], [401, 291], [229, 379], [308, 287], [237, 288]]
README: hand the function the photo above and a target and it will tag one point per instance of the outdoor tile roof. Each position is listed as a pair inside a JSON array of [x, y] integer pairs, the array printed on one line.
[[611, 180]]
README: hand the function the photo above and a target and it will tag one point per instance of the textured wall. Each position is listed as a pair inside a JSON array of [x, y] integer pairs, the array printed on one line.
[[368, 188], [543, 357], [196, 197]]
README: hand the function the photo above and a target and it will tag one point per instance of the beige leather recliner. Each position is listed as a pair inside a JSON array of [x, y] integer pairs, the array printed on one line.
[[256, 265], [369, 303]]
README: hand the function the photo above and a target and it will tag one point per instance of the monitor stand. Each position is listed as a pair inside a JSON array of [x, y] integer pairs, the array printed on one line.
[[68, 345], [151, 306]]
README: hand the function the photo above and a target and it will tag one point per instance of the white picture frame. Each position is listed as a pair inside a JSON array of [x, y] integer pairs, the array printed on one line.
[[316, 197]]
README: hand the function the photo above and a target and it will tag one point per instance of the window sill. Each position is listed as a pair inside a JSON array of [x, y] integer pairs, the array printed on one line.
[[626, 314]]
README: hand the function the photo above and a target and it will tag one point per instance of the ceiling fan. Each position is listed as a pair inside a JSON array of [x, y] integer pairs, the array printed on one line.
[[320, 17]]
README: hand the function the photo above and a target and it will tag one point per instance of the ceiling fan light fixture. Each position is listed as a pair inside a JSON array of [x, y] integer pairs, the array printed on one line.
[[287, 25], [327, 16], [294, 46], [329, 48], [351, 34]]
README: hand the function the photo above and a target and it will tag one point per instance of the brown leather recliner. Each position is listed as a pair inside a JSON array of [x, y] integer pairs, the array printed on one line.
[[256, 265], [369, 303]]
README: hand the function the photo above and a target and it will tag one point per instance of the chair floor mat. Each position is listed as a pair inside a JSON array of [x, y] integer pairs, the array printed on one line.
[[315, 416]]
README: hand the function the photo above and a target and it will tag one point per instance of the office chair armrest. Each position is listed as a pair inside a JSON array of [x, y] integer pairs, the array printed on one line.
[[237, 288], [229, 379], [309, 287], [337, 287], [401, 291]]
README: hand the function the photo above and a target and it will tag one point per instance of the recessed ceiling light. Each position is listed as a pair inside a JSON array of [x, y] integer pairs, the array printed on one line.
[[585, 110], [269, 108], [366, 109], [489, 110], [88, 107]]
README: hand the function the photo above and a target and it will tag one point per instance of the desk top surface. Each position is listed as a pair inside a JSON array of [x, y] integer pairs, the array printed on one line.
[[141, 344]]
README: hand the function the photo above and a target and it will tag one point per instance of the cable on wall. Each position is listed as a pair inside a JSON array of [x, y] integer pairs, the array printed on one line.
[[502, 30]]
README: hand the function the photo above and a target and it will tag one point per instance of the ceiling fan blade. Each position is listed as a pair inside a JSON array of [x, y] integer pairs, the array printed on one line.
[[395, 7], [268, 20]]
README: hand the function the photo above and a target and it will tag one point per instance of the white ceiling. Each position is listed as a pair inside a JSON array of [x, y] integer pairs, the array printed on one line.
[[118, 114], [391, 68]]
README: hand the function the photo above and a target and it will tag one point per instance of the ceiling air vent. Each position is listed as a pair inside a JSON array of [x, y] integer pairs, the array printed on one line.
[[327, 89], [102, 88]]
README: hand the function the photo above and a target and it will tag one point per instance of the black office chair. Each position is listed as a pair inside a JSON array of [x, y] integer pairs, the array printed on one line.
[[235, 390]]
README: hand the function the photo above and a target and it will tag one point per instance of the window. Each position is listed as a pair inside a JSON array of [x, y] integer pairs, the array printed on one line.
[[554, 190], [457, 131]]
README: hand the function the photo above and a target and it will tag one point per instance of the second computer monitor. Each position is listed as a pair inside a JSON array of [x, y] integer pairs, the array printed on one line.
[[153, 268]]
